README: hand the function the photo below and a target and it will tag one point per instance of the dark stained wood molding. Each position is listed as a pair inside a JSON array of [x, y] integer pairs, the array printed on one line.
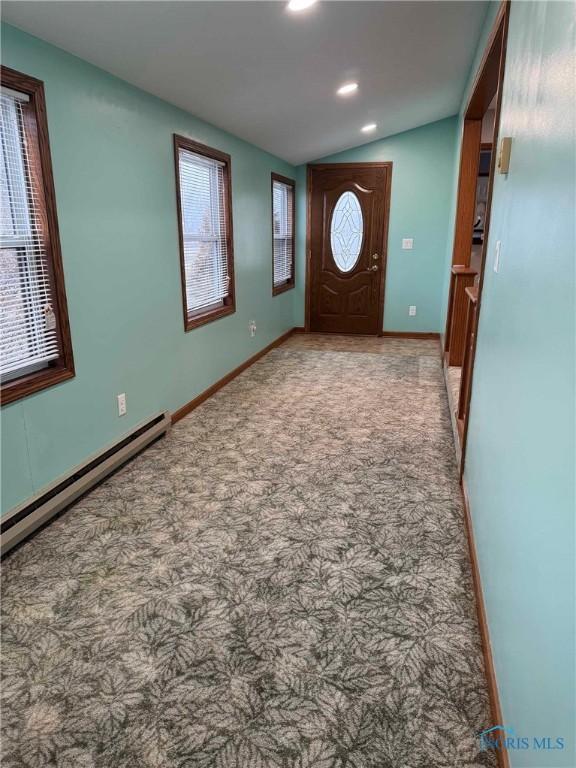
[[199, 399], [410, 335], [328, 166], [192, 320], [485, 84], [384, 269], [466, 194], [289, 284], [284, 179], [498, 40], [478, 101], [488, 83], [488, 70], [308, 254], [470, 330], [490, 672], [388, 199], [36, 128], [460, 279], [455, 270], [299, 329]]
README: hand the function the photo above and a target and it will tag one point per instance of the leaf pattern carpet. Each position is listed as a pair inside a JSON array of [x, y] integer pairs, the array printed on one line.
[[281, 582]]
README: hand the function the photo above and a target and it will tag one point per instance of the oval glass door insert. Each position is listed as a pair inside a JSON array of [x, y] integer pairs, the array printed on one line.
[[346, 231]]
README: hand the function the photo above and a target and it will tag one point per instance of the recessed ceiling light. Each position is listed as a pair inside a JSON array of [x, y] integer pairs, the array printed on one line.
[[369, 128], [347, 89], [300, 5]]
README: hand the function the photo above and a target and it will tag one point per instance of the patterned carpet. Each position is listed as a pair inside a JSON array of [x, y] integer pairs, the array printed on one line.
[[282, 582]]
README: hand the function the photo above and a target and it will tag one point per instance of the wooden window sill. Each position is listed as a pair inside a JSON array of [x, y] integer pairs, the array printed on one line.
[[34, 382], [195, 321], [277, 289]]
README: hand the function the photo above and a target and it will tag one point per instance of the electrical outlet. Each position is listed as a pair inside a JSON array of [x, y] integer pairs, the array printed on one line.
[[407, 243], [252, 327], [121, 404], [412, 310]]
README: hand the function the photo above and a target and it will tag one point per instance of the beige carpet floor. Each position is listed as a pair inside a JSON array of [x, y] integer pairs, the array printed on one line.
[[282, 582]]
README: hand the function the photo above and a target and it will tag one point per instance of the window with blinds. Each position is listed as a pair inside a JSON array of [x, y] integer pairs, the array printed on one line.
[[282, 233], [203, 183], [32, 349]]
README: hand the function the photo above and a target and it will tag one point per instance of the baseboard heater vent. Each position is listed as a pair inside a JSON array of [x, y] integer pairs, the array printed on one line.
[[26, 518]]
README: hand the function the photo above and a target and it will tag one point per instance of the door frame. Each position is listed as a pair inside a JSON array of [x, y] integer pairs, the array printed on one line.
[[488, 82], [311, 167]]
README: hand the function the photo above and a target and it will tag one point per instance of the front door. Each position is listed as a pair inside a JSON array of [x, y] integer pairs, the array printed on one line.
[[348, 232]]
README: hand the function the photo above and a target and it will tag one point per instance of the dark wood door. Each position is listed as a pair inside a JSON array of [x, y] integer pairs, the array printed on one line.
[[349, 207]]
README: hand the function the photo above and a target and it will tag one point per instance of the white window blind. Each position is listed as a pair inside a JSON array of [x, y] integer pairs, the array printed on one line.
[[283, 231], [28, 335], [204, 231]]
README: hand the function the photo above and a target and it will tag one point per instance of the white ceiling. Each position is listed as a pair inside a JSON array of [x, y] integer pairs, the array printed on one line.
[[270, 76]]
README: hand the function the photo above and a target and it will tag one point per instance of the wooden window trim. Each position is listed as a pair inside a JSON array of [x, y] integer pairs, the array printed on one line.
[[194, 320], [36, 127], [289, 284]]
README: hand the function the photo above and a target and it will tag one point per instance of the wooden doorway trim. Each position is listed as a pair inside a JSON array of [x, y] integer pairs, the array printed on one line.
[[488, 82], [384, 251], [466, 196]]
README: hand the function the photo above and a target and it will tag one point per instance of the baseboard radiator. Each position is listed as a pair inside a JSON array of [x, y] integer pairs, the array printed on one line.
[[23, 520]]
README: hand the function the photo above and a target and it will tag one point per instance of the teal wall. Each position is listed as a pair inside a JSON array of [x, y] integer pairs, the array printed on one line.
[[422, 181], [521, 461], [114, 177]]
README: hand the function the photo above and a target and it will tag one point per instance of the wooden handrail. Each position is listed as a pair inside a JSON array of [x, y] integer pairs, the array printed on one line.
[[461, 278], [472, 294], [471, 318]]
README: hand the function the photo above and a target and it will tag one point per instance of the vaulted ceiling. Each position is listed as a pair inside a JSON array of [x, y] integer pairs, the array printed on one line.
[[270, 76]]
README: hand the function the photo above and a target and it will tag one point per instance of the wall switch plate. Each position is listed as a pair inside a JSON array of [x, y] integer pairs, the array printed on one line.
[[121, 404], [407, 243], [412, 310], [252, 327], [503, 161], [497, 257]]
